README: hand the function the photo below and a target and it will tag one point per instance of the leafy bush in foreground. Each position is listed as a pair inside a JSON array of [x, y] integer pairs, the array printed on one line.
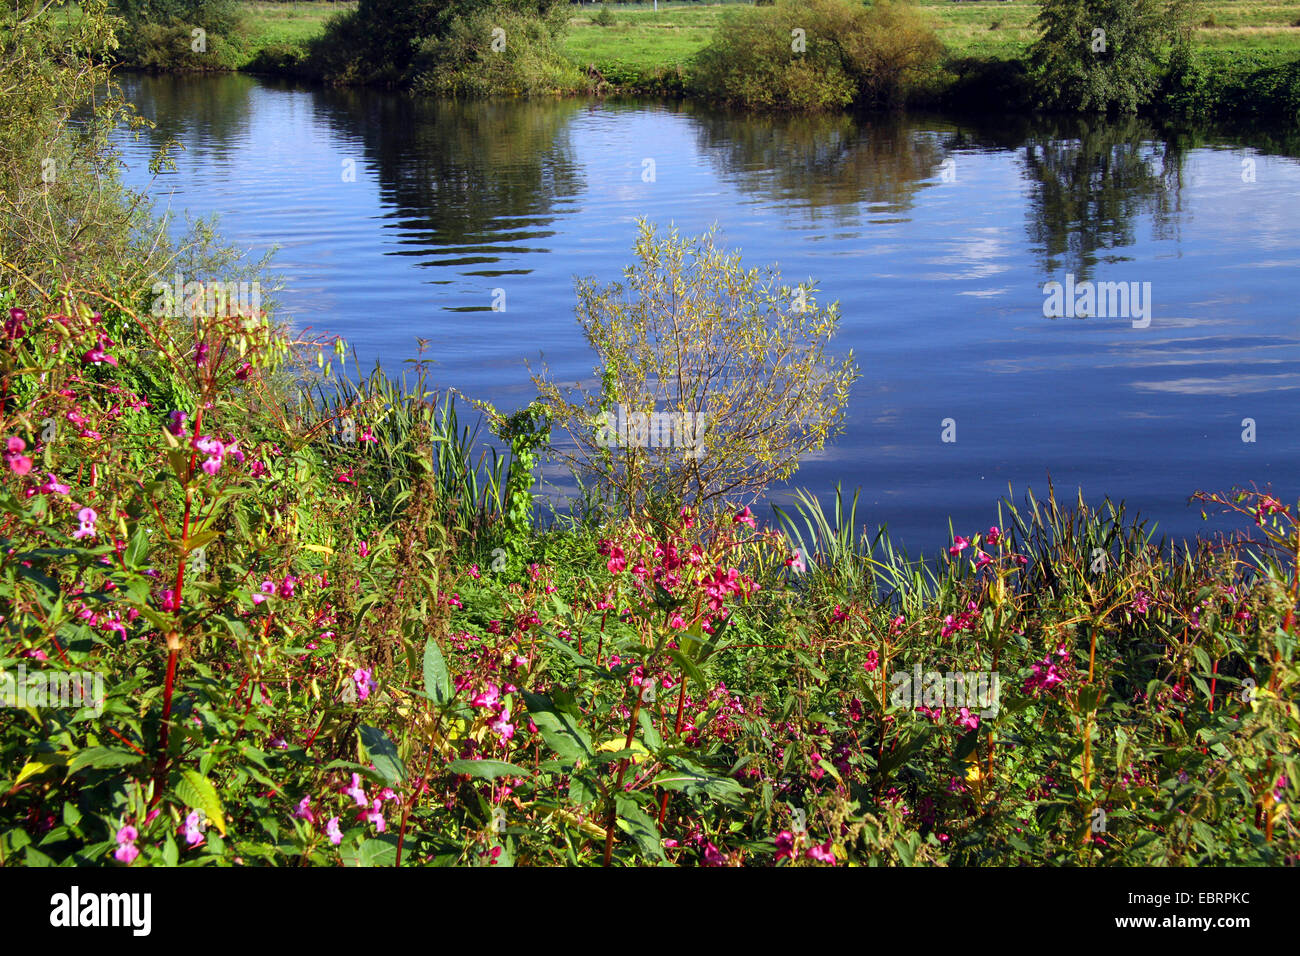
[[306, 656]]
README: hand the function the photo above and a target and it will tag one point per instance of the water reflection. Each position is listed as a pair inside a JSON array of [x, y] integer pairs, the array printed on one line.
[[823, 164], [467, 183]]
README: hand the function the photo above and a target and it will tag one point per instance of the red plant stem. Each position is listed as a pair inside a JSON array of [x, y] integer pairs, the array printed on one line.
[[622, 770], [173, 639]]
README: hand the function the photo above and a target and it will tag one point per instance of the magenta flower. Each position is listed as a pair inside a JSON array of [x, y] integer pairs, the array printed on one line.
[[745, 517], [967, 720], [193, 829], [304, 810], [784, 845], [87, 517], [795, 562], [822, 853], [994, 535], [502, 726], [176, 422], [18, 463], [487, 698], [375, 815], [959, 544], [364, 681], [126, 849], [333, 832], [357, 792], [52, 486], [97, 355]]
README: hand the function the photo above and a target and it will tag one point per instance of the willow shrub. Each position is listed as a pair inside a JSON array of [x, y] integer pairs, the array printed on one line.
[[714, 379], [818, 55], [497, 52]]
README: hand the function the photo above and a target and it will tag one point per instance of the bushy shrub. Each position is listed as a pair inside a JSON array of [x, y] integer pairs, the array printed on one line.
[[1099, 55], [728, 369], [395, 42], [496, 52], [821, 54]]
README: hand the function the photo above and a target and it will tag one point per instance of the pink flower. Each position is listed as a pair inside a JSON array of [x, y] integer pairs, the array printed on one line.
[[364, 681], [363, 549], [126, 849], [374, 815], [822, 853], [994, 535], [357, 792], [97, 355], [333, 832], [304, 810], [19, 463], [87, 517], [872, 661], [487, 698], [176, 422], [52, 486], [959, 544], [795, 562], [502, 726], [713, 857], [193, 829], [745, 517], [967, 720], [784, 845]]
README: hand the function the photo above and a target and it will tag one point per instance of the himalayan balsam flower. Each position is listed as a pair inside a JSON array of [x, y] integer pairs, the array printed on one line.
[[333, 832], [959, 544], [304, 810], [364, 681], [87, 517], [193, 829], [18, 463], [126, 849], [357, 792]]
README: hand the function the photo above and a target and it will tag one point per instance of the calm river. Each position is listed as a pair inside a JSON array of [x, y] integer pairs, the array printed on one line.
[[395, 220]]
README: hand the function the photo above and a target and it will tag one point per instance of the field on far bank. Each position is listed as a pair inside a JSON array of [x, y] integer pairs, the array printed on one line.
[[643, 40]]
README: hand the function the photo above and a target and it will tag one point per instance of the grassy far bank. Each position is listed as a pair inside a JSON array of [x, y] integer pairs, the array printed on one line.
[[645, 40], [641, 42]]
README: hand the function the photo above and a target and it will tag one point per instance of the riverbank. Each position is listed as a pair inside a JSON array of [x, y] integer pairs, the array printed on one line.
[[1246, 53], [255, 613]]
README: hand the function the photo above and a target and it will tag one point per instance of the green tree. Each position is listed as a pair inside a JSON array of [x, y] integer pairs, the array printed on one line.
[[1097, 55], [714, 379]]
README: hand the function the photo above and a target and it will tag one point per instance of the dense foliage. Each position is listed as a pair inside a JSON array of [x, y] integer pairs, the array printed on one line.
[[818, 54], [1105, 54]]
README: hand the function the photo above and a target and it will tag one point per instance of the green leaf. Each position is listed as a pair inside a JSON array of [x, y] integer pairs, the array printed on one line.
[[487, 769], [199, 794], [137, 552], [99, 758], [560, 730], [383, 755], [437, 681], [695, 782], [640, 826]]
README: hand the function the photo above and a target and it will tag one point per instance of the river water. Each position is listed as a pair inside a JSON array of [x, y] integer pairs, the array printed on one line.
[[398, 220]]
